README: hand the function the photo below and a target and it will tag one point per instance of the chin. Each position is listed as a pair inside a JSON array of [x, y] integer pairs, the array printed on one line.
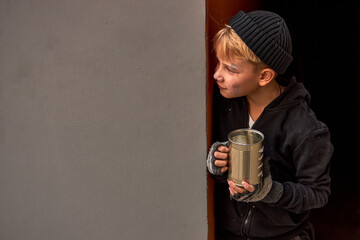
[[228, 96]]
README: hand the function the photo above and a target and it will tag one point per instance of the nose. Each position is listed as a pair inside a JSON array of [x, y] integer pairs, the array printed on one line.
[[217, 74]]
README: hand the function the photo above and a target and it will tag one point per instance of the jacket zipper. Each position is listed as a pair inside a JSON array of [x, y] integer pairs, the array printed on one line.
[[247, 222]]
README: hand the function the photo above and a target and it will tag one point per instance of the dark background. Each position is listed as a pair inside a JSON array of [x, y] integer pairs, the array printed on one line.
[[326, 59], [326, 55]]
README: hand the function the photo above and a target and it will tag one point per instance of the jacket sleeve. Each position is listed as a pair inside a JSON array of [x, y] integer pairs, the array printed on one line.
[[312, 161]]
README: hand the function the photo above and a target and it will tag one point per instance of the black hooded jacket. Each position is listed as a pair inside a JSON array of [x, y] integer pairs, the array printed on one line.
[[299, 149]]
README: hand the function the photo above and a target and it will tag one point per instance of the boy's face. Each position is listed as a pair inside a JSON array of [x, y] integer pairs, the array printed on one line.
[[236, 77]]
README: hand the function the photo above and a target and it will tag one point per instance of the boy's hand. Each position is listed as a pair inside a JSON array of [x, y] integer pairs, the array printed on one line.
[[222, 158], [234, 189], [267, 191], [217, 159]]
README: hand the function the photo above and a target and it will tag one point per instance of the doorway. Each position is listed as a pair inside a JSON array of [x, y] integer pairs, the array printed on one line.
[[326, 51]]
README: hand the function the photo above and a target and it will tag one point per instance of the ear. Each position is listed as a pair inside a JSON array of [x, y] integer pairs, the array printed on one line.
[[266, 76]]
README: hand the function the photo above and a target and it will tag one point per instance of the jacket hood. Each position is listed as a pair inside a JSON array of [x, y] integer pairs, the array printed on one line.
[[295, 92]]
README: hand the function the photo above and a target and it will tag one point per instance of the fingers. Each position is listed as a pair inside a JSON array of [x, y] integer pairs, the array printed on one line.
[[232, 192], [221, 156], [248, 187], [222, 164], [233, 188], [223, 169], [223, 149]]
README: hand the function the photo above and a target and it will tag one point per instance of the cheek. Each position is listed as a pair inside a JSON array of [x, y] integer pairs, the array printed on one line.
[[235, 85], [241, 83]]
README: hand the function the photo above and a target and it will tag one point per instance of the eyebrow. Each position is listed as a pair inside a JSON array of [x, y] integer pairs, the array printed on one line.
[[234, 66]]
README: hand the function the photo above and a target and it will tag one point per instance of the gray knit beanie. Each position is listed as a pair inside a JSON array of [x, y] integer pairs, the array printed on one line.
[[267, 35]]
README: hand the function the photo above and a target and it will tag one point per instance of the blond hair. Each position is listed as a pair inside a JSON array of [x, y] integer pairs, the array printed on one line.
[[231, 45]]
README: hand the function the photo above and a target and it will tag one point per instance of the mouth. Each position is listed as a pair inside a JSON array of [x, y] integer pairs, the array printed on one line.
[[221, 87]]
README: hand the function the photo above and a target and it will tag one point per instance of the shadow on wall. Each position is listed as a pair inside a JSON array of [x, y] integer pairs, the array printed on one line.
[[326, 59]]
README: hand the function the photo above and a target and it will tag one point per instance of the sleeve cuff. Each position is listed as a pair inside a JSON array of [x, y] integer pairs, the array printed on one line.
[[275, 193]]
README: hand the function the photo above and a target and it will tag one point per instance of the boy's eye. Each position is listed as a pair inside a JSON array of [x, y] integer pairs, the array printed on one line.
[[229, 69]]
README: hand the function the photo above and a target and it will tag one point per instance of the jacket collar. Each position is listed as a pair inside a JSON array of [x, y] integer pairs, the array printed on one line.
[[294, 92]]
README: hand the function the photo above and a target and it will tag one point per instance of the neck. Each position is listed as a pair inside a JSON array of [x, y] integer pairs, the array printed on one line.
[[263, 97]]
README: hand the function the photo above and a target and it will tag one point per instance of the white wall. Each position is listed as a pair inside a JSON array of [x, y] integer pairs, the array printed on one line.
[[102, 120]]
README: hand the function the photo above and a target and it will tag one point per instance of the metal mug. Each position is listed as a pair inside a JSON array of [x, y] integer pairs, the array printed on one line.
[[245, 156]]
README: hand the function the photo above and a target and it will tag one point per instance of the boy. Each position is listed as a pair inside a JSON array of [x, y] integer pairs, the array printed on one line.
[[253, 51]]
